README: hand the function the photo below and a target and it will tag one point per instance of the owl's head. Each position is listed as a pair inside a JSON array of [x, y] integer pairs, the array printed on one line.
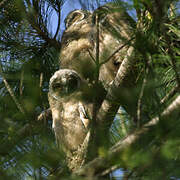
[[76, 17], [63, 83]]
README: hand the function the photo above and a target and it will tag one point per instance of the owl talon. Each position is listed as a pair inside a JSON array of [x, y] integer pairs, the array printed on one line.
[[83, 115]]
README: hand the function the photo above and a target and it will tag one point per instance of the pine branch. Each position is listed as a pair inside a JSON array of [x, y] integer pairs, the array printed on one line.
[[112, 101], [27, 130], [157, 8], [102, 163], [171, 94], [36, 21], [116, 51], [59, 22], [19, 106]]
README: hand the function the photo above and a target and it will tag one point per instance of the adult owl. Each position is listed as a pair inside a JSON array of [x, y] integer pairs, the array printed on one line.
[[89, 54]]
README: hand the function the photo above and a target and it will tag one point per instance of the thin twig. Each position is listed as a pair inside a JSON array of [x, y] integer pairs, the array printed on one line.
[[91, 55], [139, 105], [97, 69], [21, 83], [123, 121], [19, 106], [127, 175], [59, 22], [169, 95], [93, 135], [173, 62], [109, 170], [116, 51], [97, 46], [41, 80], [101, 163], [172, 58]]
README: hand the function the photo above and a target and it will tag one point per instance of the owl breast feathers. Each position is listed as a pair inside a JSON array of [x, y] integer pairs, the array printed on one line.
[[71, 93], [79, 41]]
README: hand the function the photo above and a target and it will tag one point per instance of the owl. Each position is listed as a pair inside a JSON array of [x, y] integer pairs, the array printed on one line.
[[72, 88]]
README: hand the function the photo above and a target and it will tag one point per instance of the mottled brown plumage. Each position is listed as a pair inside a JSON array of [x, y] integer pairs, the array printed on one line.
[[71, 95]]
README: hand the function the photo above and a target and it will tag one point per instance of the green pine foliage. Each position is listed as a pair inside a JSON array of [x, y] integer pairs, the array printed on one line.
[[29, 55]]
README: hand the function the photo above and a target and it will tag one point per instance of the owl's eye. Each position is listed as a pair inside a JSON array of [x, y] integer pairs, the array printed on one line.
[[69, 85], [72, 84], [57, 86]]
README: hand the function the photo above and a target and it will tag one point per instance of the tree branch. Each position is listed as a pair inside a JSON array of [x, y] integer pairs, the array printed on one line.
[[27, 130], [157, 8], [45, 37], [8, 144], [101, 163], [19, 106], [59, 22], [116, 51], [171, 94], [112, 102], [39, 26]]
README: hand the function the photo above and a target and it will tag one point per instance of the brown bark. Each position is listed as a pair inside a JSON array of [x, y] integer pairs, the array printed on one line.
[[101, 163]]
